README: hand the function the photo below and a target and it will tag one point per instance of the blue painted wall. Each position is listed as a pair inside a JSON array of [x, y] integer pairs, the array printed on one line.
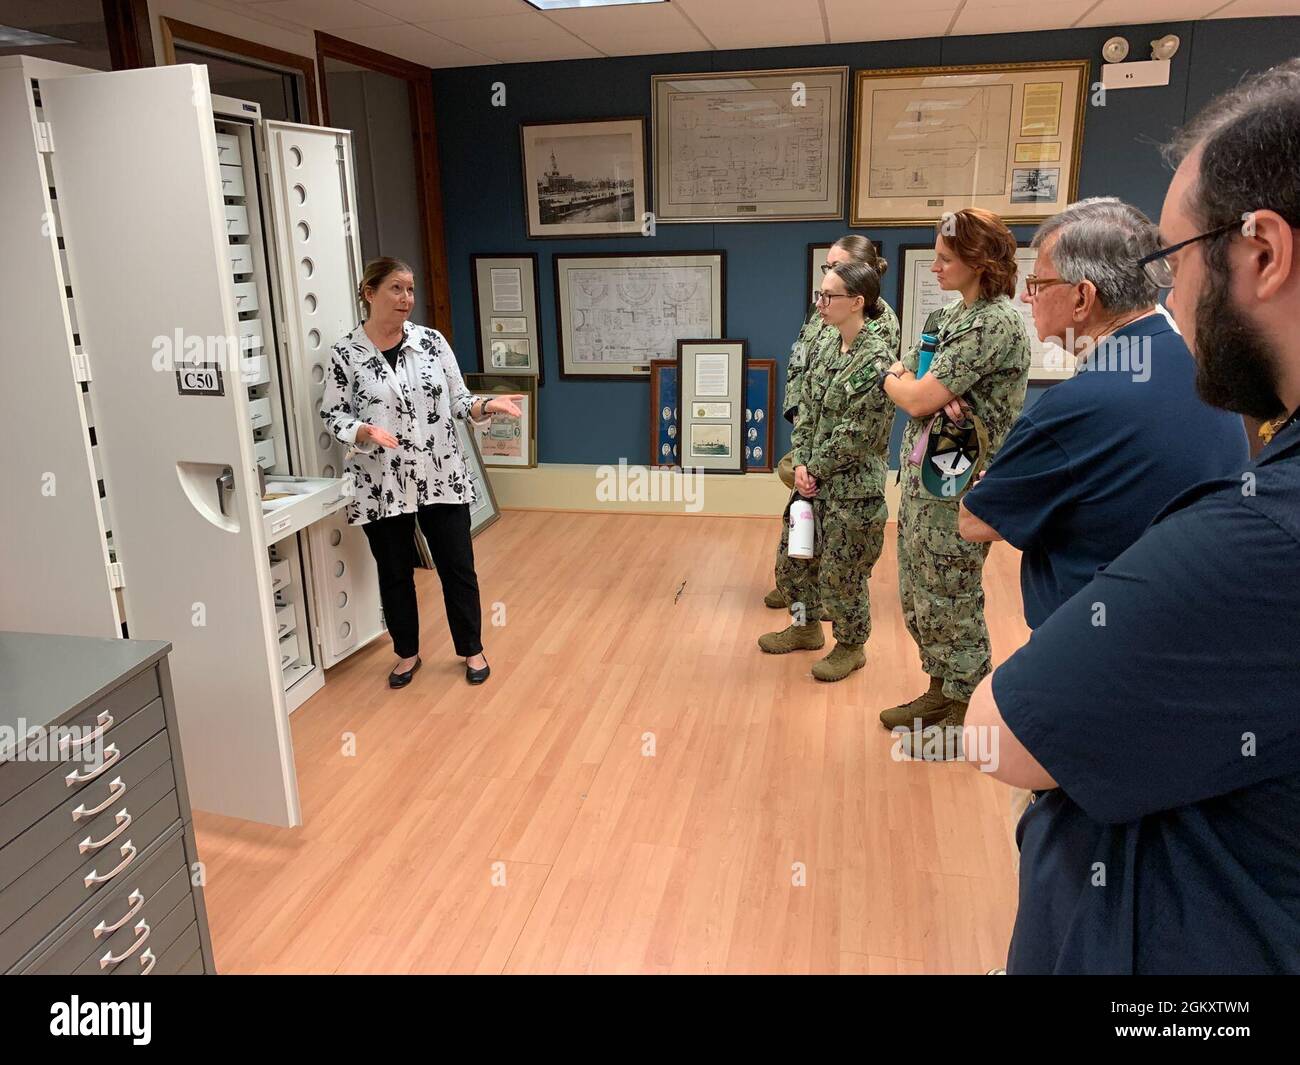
[[603, 421]]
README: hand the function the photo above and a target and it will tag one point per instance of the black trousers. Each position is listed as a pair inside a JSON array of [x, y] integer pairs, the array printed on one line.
[[392, 542]]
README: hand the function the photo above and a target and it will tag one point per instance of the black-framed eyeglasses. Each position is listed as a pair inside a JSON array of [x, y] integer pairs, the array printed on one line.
[[826, 268], [1034, 283], [1156, 265], [826, 297]]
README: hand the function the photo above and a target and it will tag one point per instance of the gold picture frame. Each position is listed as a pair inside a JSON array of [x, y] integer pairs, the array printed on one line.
[[1025, 119]]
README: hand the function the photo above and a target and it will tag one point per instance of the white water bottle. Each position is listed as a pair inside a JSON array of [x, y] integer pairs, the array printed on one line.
[[800, 541]]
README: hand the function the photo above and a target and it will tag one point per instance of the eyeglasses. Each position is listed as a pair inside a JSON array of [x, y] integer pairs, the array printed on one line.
[[826, 268], [826, 297], [1156, 265], [1033, 284]]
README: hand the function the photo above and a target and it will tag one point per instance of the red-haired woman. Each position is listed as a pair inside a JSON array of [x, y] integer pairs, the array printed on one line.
[[980, 365]]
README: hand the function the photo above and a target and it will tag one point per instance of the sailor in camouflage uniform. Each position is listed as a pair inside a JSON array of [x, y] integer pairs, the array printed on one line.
[[841, 441], [982, 356]]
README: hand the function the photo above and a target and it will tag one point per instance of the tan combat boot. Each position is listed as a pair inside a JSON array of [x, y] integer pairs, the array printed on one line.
[[775, 600], [931, 708], [941, 742], [793, 638], [840, 662]]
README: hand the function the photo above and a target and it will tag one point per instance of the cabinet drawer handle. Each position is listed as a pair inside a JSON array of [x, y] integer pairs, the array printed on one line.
[[123, 823], [151, 958], [128, 851], [136, 899], [116, 789], [111, 959], [80, 778], [336, 499], [105, 722]]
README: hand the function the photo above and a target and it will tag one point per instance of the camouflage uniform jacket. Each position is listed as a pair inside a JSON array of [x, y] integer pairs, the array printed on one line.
[[982, 356]]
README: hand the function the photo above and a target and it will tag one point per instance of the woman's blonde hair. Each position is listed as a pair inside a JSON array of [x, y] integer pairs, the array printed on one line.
[[374, 275]]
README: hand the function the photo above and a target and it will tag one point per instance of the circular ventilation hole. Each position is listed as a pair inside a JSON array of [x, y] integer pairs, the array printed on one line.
[[342, 600], [345, 630], [308, 267], [304, 231], [339, 568], [311, 303], [300, 194], [296, 155], [318, 374], [313, 338], [328, 471], [325, 440], [336, 537]]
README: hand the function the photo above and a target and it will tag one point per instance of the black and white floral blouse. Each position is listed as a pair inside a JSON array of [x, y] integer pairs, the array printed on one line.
[[416, 402]]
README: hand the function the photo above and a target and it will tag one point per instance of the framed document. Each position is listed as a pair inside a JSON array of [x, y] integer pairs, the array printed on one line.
[[711, 401], [584, 179], [507, 441], [749, 146], [664, 441], [1005, 137], [616, 312], [506, 301], [484, 511], [919, 294], [816, 260], [760, 401]]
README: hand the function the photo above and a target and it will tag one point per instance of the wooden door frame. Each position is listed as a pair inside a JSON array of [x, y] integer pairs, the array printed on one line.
[[419, 80], [188, 33], [130, 42]]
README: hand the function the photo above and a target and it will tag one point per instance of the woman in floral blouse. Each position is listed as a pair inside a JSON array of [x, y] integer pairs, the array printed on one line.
[[392, 391]]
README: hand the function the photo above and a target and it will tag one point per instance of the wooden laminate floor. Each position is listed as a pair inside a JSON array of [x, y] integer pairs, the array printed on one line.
[[637, 788]]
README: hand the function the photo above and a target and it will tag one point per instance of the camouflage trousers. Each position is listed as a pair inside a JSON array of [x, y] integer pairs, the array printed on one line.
[[941, 589], [853, 533]]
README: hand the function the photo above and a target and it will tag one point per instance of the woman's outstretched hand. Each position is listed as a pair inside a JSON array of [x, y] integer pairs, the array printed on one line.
[[504, 405], [373, 434]]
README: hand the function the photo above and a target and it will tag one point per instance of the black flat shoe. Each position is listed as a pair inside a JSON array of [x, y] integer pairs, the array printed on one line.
[[478, 676], [401, 680]]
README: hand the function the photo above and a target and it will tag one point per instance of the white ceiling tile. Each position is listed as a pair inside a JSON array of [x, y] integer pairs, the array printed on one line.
[[432, 10], [540, 51], [494, 30], [636, 30], [686, 40], [328, 15], [726, 12], [766, 34], [1258, 8], [1005, 19], [408, 42], [899, 27], [1123, 12]]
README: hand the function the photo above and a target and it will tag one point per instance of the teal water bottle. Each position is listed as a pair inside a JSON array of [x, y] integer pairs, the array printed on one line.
[[925, 353]]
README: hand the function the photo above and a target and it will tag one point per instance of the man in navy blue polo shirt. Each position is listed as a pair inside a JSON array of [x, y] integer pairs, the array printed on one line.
[[1086, 468], [1158, 709]]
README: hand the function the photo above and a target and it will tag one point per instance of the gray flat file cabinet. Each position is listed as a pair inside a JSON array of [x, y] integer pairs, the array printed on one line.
[[97, 855]]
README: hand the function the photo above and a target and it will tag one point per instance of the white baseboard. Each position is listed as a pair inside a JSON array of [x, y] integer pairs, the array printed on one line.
[[642, 490]]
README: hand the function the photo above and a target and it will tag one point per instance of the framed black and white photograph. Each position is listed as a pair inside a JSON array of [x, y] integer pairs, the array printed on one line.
[[711, 381], [919, 295], [615, 313], [584, 179], [749, 145], [506, 300]]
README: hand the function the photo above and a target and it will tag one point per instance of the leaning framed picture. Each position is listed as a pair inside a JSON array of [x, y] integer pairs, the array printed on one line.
[[919, 295], [1003, 136], [584, 179], [664, 443], [711, 402], [506, 302], [749, 145], [484, 510], [506, 440], [760, 399], [616, 312]]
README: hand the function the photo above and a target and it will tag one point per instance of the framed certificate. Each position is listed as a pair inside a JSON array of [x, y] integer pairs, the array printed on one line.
[[506, 301], [750, 145], [616, 312], [816, 260], [919, 295], [1003, 136], [507, 441], [664, 442], [710, 399], [760, 400]]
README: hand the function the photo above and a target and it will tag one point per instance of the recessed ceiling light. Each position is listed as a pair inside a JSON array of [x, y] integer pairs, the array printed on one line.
[[556, 5], [13, 37]]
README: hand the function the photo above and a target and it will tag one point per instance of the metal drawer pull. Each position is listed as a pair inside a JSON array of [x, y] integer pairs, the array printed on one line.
[[123, 823], [104, 721], [109, 959], [116, 789], [95, 878], [112, 755], [136, 898], [148, 956], [336, 499]]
